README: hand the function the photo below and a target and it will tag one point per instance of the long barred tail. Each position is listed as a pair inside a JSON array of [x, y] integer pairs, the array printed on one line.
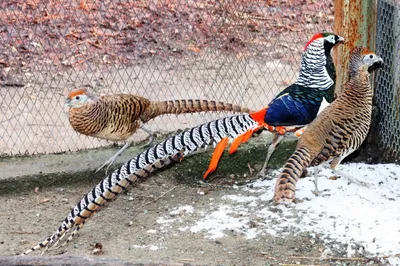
[[162, 154], [285, 187], [196, 105], [190, 106], [107, 189]]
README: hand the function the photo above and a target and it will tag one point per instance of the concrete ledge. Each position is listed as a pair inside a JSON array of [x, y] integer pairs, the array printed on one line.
[[20, 174], [75, 260]]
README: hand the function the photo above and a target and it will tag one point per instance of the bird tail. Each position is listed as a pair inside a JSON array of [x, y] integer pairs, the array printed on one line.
[[190, 106], [258, 122], [285, 187], [170, 150], [113, 185]]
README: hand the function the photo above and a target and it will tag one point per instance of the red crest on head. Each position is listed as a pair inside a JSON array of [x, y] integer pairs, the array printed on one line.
[[316, 36], [366, 51], [75, 92]]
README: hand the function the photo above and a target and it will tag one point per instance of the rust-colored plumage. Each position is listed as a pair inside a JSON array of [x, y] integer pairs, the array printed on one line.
[[117, 117], [339, 130]]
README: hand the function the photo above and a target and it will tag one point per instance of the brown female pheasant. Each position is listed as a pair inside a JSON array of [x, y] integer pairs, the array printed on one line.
[[338, 131], [117, 117]]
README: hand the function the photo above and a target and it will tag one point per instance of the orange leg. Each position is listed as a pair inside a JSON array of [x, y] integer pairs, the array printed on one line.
[[219, 149]]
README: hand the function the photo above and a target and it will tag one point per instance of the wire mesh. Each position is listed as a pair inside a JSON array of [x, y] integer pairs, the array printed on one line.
[[387, 97], [239, 51]]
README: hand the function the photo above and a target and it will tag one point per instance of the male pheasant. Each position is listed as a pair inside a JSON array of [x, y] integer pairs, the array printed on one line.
[[339, 130], [117, 117], [298, 104]]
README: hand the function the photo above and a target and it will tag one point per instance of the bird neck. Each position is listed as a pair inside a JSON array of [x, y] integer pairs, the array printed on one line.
[[329, 94], [314, 69], [361, 85]]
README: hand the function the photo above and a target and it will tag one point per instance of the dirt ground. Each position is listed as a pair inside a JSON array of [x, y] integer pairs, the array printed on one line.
[[135, 227]]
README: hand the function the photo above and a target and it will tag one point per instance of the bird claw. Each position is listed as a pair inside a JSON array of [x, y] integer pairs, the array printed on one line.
[[359, 182], [353, 180], [151, 139], [109, 162], [264, 175], [261, 173], [315, 192]]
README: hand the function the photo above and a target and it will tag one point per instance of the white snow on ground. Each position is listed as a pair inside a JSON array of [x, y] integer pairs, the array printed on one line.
[[365, 218], [150, 247]]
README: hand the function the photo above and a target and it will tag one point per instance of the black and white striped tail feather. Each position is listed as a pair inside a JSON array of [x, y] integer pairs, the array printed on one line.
[[156, 157], [101, 193]]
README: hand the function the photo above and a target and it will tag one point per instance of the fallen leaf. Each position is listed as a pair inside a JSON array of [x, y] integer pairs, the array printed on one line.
[[334, 177], [194, 49], [83, 5], [203, 191], [98, 249]]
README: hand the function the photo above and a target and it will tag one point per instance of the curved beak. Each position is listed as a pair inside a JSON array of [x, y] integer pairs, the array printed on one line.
[[340, 39], [67, 102], [376, 65], [379, 63]]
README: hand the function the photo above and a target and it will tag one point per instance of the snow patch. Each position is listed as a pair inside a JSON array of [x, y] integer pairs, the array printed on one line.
[[150, 247], [365, 219]]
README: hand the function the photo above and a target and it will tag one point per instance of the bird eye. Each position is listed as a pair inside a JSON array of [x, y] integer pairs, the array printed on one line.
[[77, 97], [371, 56]]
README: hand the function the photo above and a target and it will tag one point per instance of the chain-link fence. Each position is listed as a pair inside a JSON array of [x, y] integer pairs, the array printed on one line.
[[239, 51], [384, 139]]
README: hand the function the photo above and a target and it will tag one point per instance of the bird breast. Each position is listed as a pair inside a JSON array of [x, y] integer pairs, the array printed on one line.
[[113, 118]]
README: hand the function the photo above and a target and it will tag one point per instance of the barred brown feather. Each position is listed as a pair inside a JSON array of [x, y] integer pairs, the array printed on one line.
[[111, 117], [188, 106], [339, 130], [117, 117]]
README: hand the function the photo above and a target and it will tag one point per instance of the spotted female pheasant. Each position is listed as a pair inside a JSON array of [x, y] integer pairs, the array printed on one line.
[[298, 104], [117, 117], [339, 130]]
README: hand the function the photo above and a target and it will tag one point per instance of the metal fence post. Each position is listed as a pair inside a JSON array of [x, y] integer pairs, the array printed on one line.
[[355, 20], [374, 24], [383, 142]]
